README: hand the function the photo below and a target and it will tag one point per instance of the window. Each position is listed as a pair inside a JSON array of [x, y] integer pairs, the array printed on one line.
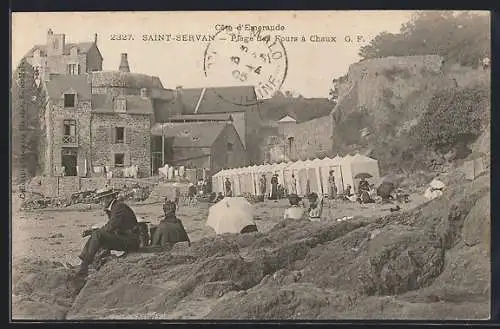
[[229, 146], [73, 69], [69, 131], [119, 159], [119, 135], [120, 105], [74, 51], [69, 100]]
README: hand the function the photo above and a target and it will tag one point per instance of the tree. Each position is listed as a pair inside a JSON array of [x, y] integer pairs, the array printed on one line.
[[462, 38], [26, 100]]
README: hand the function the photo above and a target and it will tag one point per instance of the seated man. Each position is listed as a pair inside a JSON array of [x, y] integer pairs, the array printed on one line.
[[295, 211], [170, 230], [120, 233]]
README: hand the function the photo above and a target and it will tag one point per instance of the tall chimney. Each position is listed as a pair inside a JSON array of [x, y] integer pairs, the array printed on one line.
[[178, 99], [95, 38], [124, 64]]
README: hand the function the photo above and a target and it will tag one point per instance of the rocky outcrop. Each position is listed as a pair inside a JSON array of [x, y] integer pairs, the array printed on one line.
[[431, 262]]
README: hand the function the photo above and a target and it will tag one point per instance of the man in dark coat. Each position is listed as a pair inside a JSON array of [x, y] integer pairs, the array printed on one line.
[[274, 187], [227, 184], [170, 230], [120, 233]]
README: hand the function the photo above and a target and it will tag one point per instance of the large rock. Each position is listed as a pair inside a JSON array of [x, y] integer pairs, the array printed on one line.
[[42, 290]]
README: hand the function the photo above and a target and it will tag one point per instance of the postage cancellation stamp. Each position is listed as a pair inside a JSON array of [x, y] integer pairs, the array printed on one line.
[[286, 165]]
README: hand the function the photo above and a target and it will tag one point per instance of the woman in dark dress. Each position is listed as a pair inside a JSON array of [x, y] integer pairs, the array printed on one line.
[[170, 230]]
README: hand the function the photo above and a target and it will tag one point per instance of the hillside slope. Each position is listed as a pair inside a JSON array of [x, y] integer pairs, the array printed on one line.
[[380, 100]]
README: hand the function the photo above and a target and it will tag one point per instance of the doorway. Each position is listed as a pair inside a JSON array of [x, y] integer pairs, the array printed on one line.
[[69, 159]]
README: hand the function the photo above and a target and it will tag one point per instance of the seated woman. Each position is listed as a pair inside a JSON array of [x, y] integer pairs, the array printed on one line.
[[295, 211], [315, 206], [170, 230]]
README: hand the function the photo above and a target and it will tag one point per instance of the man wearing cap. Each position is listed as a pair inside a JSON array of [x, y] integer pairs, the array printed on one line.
[[120, 233], [170, 230]]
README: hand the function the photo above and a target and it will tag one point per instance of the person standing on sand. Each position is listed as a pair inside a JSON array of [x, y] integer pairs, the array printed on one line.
[[274, 187], [293, 189], [331, 184], [227, 184], [121, 233], [170, 230], [263, 185]]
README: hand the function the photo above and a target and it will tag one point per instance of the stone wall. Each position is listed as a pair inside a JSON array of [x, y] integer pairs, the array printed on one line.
[[312, 138], [137, 145], [55, 129], [66, 186]]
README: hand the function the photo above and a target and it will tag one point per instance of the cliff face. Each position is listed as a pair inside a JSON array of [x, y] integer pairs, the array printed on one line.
[[382, 98], [396, 90]]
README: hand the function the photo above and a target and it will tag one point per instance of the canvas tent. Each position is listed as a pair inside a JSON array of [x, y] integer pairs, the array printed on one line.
[[313, 173]]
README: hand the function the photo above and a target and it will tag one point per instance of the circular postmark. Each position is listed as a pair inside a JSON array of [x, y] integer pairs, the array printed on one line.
[[252, 57]]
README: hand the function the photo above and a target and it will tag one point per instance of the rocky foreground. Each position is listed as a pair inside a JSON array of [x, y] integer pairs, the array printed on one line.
[[432, 262]]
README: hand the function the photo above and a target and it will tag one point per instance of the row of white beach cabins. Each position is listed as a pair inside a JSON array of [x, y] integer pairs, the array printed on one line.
[[246, 179]]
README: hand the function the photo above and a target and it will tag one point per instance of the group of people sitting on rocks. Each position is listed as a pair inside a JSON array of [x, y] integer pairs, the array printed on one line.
[[123, 232], [311, 209]]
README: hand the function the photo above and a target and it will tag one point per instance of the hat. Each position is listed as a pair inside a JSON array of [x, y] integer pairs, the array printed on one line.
[[169, 206], [113, 198]]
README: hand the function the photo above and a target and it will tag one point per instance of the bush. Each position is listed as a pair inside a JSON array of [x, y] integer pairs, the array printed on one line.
[[453, 118]]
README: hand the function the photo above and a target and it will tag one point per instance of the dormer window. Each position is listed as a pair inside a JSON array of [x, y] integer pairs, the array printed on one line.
[[120, 105], [73, 69], [73, 51], [69, 100], [36, 53]]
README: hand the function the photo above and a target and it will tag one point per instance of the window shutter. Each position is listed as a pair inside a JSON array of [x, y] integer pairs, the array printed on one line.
[[112, 135], [78, 68], [126, 138]]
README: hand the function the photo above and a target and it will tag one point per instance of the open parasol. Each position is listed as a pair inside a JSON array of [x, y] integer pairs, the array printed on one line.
[[363, 175]]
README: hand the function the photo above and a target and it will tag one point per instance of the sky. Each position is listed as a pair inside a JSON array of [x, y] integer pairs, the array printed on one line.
[[310, 65]]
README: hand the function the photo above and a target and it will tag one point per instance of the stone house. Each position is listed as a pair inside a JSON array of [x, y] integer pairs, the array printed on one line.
[[211, 146], [94, 119], [99, 119], [214, 104], [59, 57]]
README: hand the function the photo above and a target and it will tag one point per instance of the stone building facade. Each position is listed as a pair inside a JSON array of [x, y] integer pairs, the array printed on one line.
[[291, 140], [59, 57], [107, 125]]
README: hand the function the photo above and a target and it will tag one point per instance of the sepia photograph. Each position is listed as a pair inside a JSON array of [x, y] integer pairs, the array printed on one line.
[[250, 165]]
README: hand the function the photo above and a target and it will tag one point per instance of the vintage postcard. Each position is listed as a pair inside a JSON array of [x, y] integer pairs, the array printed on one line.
[[282, 165]]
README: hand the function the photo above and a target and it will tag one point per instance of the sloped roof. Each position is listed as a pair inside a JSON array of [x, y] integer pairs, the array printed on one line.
[[287, 118], [83, 47], [193, 134], [189, 154], [103, 103], [301, 109], [59, 84], [219, 99], [125, 80], [202, 117]]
